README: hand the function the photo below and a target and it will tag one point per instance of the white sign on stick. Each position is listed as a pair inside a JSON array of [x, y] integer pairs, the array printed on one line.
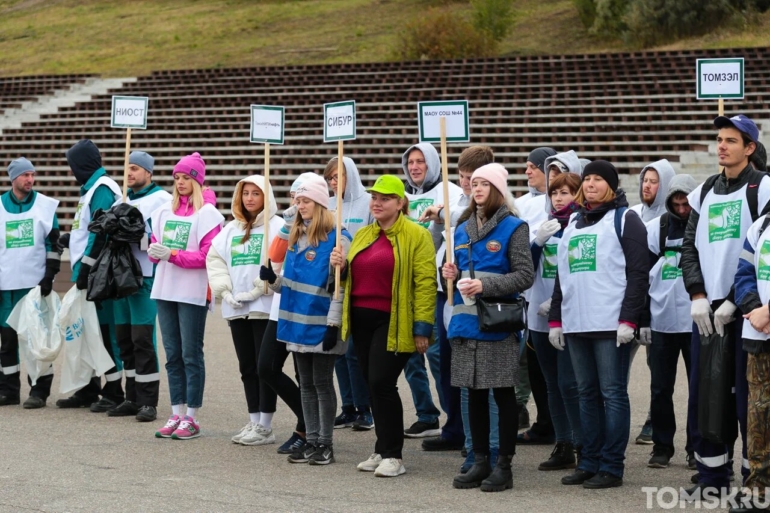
[[456, 114], [719, 78], [129, 112], [340, 121], [267, 124]]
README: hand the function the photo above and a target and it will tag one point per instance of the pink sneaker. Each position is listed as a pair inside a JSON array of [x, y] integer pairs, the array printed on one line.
[[171, 426], [187, 429]]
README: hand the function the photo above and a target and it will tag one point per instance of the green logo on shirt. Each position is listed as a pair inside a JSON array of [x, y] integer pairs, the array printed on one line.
[[725, 220], [417, 207], [582, 253], [19, 234], [671, 270], [247, 253], [763, 265], [76, 221], [549, 261], [176, 233]]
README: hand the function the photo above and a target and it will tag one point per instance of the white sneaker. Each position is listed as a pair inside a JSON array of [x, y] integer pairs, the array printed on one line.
[[371, 464], [259, 435], [237, 438], [390, 467]]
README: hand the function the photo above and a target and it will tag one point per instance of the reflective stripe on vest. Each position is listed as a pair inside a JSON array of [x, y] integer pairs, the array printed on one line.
[[490, 259]]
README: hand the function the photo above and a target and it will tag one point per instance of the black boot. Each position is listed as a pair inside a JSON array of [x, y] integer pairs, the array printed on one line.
[[501, 477], [477, 473], [562, 457]]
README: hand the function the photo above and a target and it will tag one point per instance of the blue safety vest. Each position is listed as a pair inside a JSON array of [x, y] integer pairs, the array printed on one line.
[[305, 299], [490, 258]]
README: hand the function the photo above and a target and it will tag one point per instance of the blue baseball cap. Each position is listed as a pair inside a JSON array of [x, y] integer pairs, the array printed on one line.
[[742, 123]]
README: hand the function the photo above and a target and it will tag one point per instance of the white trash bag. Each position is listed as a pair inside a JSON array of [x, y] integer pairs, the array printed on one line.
[[84, 352], [36, 321]]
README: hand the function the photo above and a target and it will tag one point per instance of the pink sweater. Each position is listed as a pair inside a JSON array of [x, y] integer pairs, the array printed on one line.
[[193, 259]]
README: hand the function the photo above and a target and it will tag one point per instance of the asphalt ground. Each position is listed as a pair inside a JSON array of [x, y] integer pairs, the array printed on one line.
[[75, 460]]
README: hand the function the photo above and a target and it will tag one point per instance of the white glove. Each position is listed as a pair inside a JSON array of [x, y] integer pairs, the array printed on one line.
[[230, 300], [645, 336], [544, 308], [159, 251], [625, 334], [248, 297], [724, 316], [556, 337], [700, 312], [546, 230]]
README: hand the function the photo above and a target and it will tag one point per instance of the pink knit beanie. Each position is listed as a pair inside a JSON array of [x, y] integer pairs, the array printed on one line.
[[193, 166], [315, 190], [494, 174]]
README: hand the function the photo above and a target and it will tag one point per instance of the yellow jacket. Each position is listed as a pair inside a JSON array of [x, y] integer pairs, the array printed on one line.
[[413, 308]]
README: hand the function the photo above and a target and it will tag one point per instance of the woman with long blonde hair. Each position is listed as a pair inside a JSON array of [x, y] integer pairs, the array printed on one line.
[[182, 232]]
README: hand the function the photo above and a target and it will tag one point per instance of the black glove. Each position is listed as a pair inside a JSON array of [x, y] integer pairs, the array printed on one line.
[[46, 285], [330, 337], [64, 240], [82, 283], [267, 274]]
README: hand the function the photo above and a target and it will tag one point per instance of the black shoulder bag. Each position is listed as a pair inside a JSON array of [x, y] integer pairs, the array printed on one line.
[[497, 314]]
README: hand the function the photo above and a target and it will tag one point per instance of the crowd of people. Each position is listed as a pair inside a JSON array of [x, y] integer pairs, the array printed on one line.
[[552, 294]]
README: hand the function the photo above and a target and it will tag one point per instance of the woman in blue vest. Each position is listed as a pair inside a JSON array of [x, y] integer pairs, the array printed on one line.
[[497, 243], [309, 318], [597, 304]]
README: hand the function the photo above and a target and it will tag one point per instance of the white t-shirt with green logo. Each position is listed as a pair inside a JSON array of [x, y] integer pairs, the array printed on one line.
[[542, 287], [761, 246], [669, 301], [722, 226], [22, 244]]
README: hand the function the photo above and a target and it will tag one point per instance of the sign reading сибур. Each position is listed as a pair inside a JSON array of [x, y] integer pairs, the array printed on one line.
[[340, 121], [455, 112], [719, 78], [129, 112]]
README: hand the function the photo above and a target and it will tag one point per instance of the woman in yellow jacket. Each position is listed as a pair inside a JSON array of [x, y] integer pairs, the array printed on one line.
[[388, 307]]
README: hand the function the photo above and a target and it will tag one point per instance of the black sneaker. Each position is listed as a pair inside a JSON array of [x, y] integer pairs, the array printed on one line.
[[146, 414], [103, 405], [422, 430], [6, 400], [345, 420], [440, 444], [124, 409], [364, 421], [660, 458], [645, 435], [523, 418], [76, 401], [603, 480], [302, 454], [323, 455], [691, 461], [292, 444], [578, 477], [34, 402]]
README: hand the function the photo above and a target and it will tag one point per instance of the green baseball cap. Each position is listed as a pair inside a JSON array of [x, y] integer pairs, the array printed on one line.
[[388, 184]]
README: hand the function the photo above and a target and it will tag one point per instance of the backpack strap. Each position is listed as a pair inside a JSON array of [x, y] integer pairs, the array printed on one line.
[[707, 186], [619, 212], [663, 234], [752, 191], [765, 224]]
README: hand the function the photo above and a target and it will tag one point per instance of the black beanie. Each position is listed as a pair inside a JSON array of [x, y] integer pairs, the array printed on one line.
[[84, 158], [605, 170], [538, 156]]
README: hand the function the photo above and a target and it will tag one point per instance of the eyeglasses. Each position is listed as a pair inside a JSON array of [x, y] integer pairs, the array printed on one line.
[[416, 162], [331, 179]]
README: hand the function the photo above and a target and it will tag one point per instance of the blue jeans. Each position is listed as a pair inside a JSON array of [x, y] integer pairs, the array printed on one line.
[[417, 377], [494, 421], [563, 397], [601, 370], [353, 390], [449, 396], [182, 326]]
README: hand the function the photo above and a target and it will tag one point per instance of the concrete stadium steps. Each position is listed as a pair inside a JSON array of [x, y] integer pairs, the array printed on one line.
[[629, 108]]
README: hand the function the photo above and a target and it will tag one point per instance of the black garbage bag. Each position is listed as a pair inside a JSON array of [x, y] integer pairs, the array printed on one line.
[[716, 401], [116, 273]]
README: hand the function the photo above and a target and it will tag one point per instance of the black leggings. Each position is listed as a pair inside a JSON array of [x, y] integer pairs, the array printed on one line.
[[247, 339], [478, 410], [381, 369], [272, 356]]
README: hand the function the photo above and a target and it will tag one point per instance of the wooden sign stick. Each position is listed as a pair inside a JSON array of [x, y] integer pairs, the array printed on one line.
[[447, 214], [340, 170], [125, 165], [266, 210]]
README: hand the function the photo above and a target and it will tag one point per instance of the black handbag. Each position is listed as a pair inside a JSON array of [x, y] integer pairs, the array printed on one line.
[[497, 314]]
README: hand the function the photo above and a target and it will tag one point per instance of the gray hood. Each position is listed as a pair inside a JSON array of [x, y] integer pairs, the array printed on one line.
[[666, 174], [354, 188], [355, 199], [680, 183], [432, 177], [574, 165]]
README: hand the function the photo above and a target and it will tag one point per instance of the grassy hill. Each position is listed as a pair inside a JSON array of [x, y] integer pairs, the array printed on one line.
[[121, 38]]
